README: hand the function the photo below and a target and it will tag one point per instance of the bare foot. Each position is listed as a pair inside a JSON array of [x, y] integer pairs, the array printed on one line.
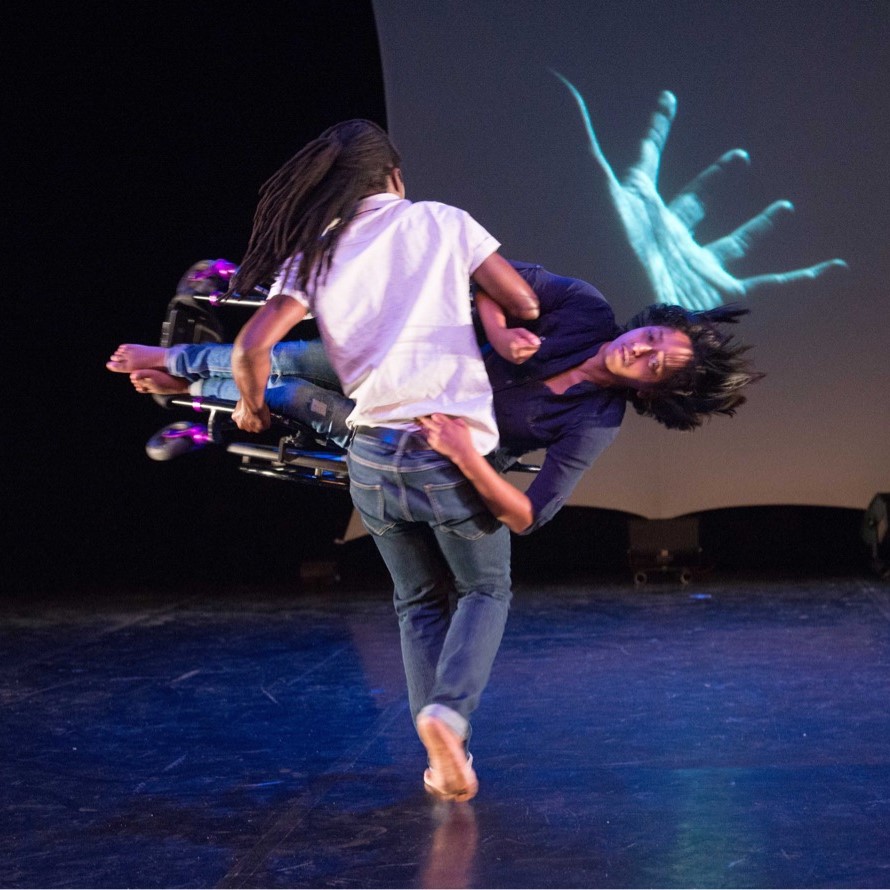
[[151, 380], [129, 357], [450, 775]]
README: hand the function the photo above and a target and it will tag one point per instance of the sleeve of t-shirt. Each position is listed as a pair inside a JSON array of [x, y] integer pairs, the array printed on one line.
[[477, 243], [286, 283]]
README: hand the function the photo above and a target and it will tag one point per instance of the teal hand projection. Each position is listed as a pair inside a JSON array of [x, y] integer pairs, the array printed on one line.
[[661, 236]]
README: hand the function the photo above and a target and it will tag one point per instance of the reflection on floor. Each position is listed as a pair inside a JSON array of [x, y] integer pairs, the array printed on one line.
[[723, 734]]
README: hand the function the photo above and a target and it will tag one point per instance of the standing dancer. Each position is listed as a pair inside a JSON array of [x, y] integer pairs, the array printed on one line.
[[387, 280]]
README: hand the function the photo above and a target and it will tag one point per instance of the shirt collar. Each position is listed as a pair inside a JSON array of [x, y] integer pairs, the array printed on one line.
[[373, 202]]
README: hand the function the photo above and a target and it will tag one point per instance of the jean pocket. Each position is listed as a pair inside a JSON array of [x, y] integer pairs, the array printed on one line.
[[371, 505], [459, 510]]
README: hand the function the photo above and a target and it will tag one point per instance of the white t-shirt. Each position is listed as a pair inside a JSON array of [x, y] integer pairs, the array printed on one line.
[[394, 315]]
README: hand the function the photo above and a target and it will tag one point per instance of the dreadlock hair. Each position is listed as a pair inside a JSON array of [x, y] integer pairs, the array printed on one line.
[[306, 205], [711, 382]]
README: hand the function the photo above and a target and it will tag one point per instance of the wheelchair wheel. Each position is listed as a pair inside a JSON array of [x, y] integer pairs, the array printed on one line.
[[176, 439]]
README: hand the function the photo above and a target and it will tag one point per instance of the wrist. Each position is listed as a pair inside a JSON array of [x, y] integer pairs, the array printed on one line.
[[466, 459]]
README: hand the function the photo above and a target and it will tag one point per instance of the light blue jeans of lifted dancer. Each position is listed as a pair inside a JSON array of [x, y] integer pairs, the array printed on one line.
[[302, 384]]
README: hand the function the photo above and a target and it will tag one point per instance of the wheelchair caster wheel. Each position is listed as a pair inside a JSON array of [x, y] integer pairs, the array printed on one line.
[[176, 439]]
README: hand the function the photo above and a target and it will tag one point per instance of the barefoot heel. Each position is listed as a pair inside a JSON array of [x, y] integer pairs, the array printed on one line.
[[451, 773]]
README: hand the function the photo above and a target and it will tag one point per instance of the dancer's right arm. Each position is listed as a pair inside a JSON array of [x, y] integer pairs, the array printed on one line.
[[250, 358], [516, 345], [507, 288]]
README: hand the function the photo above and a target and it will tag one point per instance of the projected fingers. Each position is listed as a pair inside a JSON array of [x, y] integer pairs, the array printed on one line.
[[759, 283], [691, 204], [655, 241], [652, 144], [743, 240]]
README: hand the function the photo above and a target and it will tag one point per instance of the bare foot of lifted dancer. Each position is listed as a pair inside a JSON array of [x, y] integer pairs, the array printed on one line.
[[130, 357], [146, 367], [151, 380]]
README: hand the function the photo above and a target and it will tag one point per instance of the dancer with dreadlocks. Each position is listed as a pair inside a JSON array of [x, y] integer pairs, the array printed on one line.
[[387, 281]]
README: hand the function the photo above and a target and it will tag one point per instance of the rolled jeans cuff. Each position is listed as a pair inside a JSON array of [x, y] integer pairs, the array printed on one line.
[[454, 721]]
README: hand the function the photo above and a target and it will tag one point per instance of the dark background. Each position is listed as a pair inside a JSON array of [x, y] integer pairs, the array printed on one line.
[[138, 141]]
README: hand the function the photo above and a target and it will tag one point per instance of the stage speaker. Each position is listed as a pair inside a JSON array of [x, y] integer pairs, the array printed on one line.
[[664, 548], [876, 533]]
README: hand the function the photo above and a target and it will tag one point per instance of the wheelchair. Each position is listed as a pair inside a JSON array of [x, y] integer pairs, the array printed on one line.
[[290, 450]]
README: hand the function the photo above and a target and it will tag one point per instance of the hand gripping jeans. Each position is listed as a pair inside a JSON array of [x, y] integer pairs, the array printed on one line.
[[449, 559]]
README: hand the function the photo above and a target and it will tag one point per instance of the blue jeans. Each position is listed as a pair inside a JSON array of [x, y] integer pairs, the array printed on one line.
[[302, 384], [449, 559]]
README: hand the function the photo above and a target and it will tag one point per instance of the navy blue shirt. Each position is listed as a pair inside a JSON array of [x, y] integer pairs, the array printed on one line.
[[574, 427]]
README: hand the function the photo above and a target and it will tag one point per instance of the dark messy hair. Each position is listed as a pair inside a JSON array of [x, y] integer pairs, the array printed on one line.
[[319, 186], [711, 383]]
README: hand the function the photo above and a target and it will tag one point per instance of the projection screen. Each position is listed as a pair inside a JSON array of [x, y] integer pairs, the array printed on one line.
[[477, 106]]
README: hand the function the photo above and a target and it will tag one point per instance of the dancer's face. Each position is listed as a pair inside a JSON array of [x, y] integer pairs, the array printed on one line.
[[648, 356]]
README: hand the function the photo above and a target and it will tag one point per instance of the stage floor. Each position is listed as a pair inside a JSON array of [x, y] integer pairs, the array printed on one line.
[[723, 734]]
